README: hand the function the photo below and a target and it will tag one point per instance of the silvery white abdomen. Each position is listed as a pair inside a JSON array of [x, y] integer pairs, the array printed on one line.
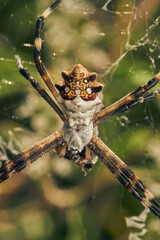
[[78, 128]]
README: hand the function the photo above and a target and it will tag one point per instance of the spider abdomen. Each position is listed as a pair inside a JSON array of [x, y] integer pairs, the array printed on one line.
[[78, 127], [77, 136]]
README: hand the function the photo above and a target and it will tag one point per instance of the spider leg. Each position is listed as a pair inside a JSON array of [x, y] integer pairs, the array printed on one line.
[[38, 88], [128, 101], [28, 156], [127, 106], [124, 175], [37, 51]]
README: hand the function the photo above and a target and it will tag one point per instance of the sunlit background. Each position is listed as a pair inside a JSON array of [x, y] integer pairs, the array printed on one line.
[[52, 199]]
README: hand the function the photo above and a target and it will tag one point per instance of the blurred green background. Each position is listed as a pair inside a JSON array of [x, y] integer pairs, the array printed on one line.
[[52, 199]]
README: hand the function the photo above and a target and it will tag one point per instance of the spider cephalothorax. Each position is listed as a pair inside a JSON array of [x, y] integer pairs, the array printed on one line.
[[78, 81]]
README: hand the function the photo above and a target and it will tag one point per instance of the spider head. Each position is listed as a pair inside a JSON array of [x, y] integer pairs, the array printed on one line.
[[79, 81]]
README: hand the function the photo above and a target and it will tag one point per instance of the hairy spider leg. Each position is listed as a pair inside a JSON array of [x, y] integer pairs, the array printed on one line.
[[127, 106], [123, 174], [128, 101], [38, 88], [37, 50], [28, 156]]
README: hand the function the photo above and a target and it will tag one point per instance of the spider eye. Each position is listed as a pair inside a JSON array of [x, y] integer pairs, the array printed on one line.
[[85, 80], [67, 89], [89, 90]]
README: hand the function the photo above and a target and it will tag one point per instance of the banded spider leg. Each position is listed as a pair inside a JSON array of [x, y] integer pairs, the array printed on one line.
[[38, 88], [124, 175], [130, 100], [37, 51], [28, 156]]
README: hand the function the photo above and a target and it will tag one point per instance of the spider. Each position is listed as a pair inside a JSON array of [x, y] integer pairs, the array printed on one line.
[[79, 96]]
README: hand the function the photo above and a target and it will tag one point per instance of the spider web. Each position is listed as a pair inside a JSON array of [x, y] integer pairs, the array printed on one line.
[[120, 41]]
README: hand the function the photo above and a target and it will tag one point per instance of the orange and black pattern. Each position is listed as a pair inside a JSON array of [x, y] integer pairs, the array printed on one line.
[[78, 78]]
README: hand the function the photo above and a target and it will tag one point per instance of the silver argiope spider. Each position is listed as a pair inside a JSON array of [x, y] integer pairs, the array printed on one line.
[[80, 98]]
